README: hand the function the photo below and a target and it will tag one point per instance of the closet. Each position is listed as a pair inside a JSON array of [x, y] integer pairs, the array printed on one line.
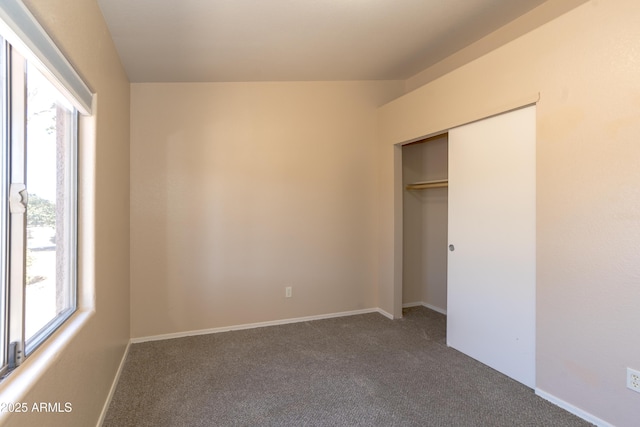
[[469, 237], [424, 175]]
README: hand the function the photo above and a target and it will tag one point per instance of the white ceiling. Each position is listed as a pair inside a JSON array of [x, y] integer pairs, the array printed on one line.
[[290, 40]]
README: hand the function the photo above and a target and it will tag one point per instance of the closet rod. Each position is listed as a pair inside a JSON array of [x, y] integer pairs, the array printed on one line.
[[428, 184]]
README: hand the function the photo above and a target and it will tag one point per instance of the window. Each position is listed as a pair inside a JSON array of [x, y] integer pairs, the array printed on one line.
[[40, 213], [41, 97]]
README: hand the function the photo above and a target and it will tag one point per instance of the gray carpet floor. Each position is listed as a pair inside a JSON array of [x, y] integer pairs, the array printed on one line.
[[363, 370]]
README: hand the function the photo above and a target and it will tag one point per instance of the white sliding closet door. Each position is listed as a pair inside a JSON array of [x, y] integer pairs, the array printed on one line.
[[491, 263]]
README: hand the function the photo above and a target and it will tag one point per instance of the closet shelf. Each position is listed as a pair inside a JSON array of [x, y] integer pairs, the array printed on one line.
[[428, 184]]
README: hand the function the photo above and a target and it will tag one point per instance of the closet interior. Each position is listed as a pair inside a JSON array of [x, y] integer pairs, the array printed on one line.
[[425, 204]]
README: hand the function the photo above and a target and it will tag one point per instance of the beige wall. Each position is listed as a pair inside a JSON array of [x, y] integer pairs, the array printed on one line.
[[536, 17], [241, 189], [82, 373], [585, 67]]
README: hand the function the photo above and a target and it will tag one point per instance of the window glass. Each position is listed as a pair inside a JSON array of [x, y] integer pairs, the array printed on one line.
[[50, 214]]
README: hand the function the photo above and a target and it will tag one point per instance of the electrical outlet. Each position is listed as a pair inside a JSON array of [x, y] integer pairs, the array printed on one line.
[[287, 292], [633, 379]]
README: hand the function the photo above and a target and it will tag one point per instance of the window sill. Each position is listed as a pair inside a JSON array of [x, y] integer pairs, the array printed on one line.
[[17, 384]]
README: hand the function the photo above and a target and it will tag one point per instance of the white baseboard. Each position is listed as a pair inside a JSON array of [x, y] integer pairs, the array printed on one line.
[[573, 409], [413, 304], [424, 304], [384, 313], [114, 384], [258, 325]]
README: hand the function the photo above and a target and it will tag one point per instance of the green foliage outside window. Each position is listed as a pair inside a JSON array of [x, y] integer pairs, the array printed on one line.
[[40, 212]]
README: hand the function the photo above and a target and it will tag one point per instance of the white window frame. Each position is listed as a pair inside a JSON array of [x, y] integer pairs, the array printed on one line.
[[22, 31]]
